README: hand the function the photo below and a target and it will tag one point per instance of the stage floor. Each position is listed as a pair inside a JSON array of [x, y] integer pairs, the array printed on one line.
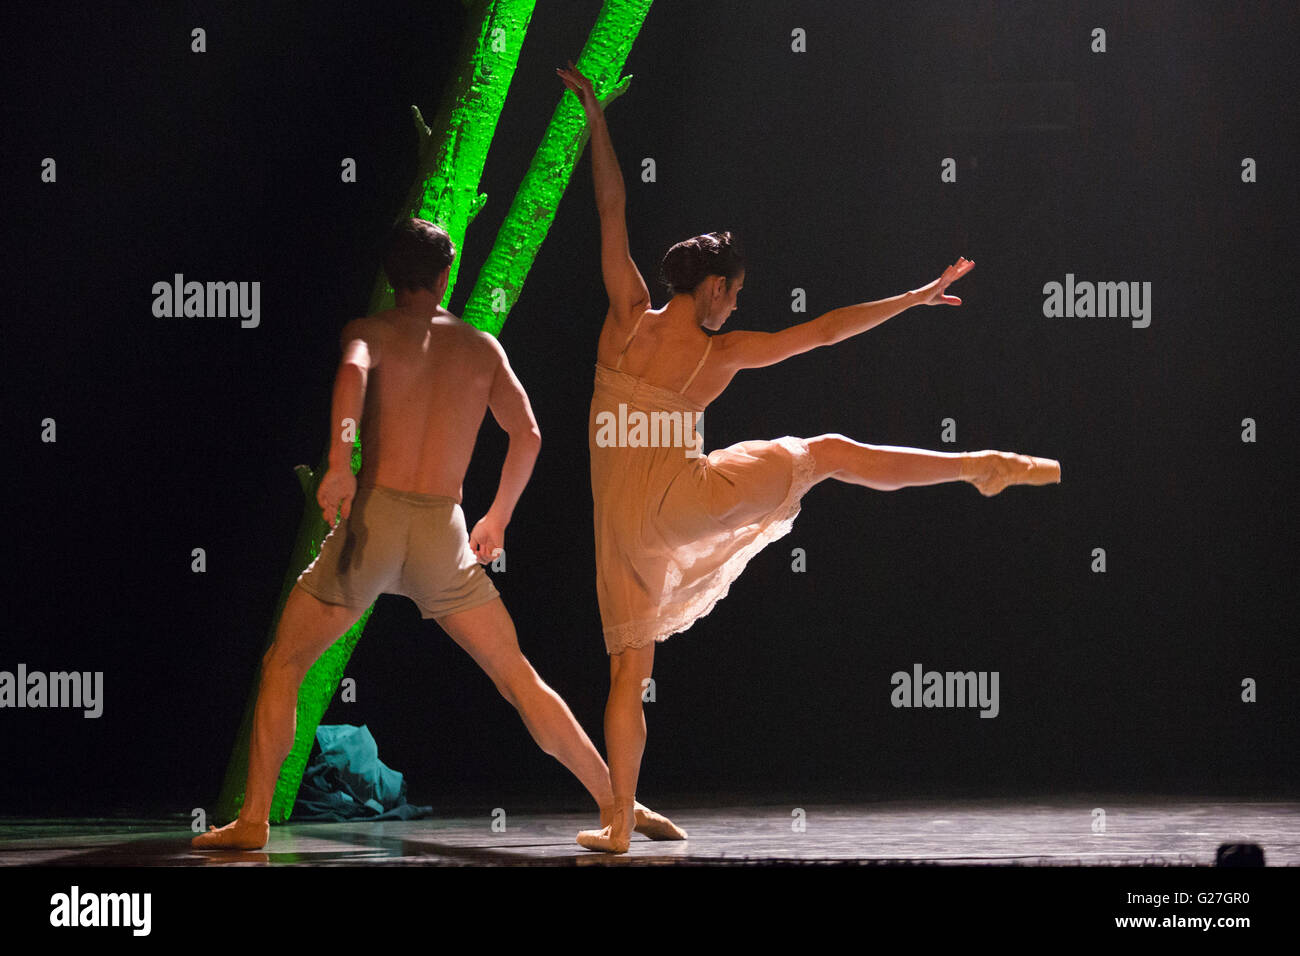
[[1138, 831]]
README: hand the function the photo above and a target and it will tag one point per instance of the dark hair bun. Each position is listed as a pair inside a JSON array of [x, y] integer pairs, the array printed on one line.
[[690, 262]]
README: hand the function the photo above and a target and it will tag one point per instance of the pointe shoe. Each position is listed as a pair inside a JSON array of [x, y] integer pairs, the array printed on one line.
[[992, 471], [654, 825], [604, 839]]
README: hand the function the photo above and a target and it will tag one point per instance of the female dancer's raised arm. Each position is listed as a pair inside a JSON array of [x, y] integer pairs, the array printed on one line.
[[628, 295], [740, 350]]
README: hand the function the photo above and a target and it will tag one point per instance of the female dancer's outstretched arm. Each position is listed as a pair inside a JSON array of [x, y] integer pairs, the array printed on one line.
[[628, 295], [740, 350]]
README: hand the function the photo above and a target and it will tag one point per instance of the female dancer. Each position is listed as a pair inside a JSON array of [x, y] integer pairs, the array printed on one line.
[[674, 528]]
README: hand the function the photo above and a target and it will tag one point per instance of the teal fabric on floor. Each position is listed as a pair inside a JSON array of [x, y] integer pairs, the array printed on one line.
[[348, 781]]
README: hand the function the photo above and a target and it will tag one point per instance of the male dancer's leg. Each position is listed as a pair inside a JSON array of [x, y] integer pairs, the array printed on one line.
[[488, 635], [625, 738], [307, 628], [890, 467]]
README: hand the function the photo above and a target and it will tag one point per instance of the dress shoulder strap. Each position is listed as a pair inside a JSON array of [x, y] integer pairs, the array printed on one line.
[[635, 328], [698, 367]]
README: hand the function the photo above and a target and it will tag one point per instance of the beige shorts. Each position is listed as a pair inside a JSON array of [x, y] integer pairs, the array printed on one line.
[[400, 542]]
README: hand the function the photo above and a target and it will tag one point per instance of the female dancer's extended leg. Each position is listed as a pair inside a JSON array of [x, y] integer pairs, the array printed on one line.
[[883, 467], [890, 467]]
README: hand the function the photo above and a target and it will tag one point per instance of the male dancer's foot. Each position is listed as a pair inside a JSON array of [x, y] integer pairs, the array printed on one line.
[[239, 835], [991, 471]]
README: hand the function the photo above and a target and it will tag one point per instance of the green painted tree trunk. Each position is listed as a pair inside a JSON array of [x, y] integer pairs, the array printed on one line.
[[501, 279]]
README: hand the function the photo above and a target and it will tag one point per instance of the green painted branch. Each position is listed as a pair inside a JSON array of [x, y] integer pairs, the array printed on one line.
[[501, 280]]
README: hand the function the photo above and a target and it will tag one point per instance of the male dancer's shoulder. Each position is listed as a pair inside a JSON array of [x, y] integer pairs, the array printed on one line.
[[370, 331], [486, 340], [480, 348]]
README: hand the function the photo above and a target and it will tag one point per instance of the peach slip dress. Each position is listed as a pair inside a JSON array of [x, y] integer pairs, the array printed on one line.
[[673, 531]]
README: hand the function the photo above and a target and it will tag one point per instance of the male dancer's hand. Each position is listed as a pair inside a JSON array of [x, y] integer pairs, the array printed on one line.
[[337, 489], [488, 538], [933, 294]]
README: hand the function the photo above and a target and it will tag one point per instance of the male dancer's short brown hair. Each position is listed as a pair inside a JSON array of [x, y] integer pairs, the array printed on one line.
[[416, 254]]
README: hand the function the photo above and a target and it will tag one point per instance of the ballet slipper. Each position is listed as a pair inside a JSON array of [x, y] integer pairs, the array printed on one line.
[[992, 471], [614, 838], [234, 836], [602, 840], [654, 825]]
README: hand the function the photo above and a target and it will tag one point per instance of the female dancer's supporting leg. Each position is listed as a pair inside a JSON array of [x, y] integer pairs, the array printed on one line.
[[882, 467], [625, 744]]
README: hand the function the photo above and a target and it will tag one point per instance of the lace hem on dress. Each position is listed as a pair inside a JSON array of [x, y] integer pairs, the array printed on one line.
[[677, 617]]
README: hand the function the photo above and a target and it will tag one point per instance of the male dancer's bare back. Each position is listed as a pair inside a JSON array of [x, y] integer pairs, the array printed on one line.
[[424, 407], [421, 380]]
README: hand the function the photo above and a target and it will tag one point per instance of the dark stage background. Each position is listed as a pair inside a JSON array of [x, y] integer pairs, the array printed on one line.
[[1123, 166]]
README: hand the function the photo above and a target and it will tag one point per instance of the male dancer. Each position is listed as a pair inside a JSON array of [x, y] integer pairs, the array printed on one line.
[[423, 379]]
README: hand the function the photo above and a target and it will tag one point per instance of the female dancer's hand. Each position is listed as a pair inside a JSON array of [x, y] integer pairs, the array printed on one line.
[[933, 294], [580, 85]]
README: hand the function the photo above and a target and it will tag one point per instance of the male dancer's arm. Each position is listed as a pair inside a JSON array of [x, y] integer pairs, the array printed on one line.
[[339, 486], [741, 350], [510, 407]]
